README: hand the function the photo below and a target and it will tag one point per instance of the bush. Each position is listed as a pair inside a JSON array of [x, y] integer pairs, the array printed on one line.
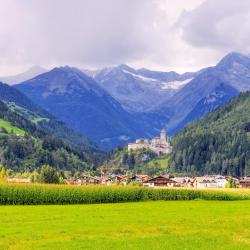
[[48, 175], [231, 183]]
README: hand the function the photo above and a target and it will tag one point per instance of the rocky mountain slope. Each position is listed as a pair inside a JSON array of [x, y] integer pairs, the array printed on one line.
[[140, 90], [210, 89]]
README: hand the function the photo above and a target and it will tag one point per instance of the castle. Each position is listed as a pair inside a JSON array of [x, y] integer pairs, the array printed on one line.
[[160, 145]]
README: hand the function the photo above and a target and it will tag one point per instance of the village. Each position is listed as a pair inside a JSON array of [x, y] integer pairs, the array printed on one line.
[[162, 181]]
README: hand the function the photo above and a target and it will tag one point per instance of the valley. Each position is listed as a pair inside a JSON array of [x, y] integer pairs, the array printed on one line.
[[88, 110], [124, 125]]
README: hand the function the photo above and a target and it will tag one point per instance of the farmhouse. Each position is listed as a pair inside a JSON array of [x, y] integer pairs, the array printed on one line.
[[118, 179], [245, 182], [18, 180], [139, 178], [160, 145], [84, 180], [159, 181], [210, 181], [183, 182]]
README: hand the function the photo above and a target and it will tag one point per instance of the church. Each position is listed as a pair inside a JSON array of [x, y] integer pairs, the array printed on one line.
[[159, 145]]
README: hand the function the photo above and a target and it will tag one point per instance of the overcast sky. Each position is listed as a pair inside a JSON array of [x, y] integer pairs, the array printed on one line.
[[179, 35]]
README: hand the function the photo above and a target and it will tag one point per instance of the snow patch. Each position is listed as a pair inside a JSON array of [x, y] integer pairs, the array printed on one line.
[[146, 79], [176, 84]]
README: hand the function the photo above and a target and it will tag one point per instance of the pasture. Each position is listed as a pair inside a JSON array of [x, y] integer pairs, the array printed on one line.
[[10, 128], [136, 225]]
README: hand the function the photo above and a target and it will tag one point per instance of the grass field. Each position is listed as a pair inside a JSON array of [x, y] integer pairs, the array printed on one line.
[[142, 225], [10, 128], [161, 162]]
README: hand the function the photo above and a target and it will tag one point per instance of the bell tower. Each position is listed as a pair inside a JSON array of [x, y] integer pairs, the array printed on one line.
[[163, 136]]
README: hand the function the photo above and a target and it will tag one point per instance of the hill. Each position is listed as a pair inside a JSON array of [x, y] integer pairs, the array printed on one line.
[[217, 144], [23, 106], [24, 146], [141, 161]]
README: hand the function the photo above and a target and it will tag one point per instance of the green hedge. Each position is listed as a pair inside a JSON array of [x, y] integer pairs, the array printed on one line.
[[14, 194]]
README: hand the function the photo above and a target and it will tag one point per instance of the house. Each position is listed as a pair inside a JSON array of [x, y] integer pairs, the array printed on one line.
[[210, 181], [84, 180], [140, 178], [116, 179], [19, 180], [183, 182], [205, 182], [159, 145], [244, 182], [159, 181], [221, 181]]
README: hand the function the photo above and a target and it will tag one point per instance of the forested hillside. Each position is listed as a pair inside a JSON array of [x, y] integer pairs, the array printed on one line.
[[24, 146], [141, 161], [23, 106], [218, 143]]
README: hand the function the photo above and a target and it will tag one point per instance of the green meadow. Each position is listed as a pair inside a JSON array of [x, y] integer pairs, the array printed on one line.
[[10, 128], [145, 225]]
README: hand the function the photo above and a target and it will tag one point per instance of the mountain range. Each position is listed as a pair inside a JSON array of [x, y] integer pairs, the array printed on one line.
[[140, 90], [116, 105], [78, 100]]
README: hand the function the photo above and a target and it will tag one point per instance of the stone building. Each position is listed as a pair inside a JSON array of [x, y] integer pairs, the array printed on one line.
[[159, 145]]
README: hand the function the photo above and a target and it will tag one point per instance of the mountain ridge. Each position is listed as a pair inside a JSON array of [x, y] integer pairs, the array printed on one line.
[[233, 71]]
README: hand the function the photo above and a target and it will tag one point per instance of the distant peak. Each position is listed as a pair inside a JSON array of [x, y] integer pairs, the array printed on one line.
[[235, 54], [124, 67], [66, 68], [37, 68], [233, 57]]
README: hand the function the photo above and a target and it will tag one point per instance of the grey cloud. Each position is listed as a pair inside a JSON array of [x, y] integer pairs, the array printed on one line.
[[218, 24], [77, 31], [96, 33]]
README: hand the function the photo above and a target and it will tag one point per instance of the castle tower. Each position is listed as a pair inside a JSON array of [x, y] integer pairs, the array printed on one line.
[[163, 136]]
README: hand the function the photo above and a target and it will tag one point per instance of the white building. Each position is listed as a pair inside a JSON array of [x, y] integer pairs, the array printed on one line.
[[160, 145], [210, 181]]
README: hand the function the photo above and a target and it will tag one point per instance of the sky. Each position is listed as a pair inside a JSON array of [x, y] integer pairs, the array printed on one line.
[[180, 35]]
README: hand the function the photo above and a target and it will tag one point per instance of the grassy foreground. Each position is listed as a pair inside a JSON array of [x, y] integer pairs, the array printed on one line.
[[34, 194], [143, 225]]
